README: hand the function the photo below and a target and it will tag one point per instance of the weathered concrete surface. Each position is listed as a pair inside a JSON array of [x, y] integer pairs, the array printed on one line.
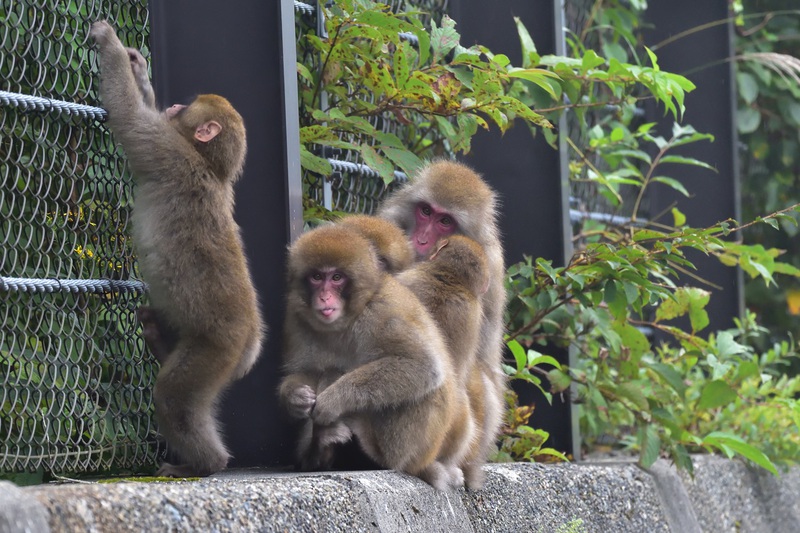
[[604, 497], [20, 512], [534, 497], [731, 496]]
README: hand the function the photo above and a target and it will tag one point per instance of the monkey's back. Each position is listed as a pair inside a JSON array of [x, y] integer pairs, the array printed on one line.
[[191, 254]]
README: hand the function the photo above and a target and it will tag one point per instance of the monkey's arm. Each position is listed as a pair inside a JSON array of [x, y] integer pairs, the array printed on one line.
[[381, 383], [139, 69], [138, 126], [119, 90]]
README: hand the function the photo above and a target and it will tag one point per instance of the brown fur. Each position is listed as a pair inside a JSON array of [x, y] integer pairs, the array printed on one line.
[[450, 285], [189, 249], [376, 370], [393, 248], [457, 189]]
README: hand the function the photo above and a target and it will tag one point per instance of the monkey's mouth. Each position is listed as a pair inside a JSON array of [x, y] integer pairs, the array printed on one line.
[[328, 313]]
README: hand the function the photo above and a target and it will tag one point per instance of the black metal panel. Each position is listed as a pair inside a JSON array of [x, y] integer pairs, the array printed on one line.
[[235, 50], [525, 171], [703, 58]]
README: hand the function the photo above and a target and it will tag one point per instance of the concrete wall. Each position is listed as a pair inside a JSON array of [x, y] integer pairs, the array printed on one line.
[[608, 497]]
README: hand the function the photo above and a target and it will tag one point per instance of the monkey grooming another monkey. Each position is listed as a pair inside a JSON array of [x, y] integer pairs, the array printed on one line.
[[448, 198], [205, 310], [450, 285], [363, 357]]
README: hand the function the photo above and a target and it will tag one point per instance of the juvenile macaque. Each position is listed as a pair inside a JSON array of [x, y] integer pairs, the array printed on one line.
[[450, 284], [205, 315], [363, 357], [446, 199], [391, 244]]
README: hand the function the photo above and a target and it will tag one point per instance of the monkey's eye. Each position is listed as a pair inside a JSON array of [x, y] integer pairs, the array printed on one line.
[[446, 221], [316, 276], [337, 277], [425, 210]]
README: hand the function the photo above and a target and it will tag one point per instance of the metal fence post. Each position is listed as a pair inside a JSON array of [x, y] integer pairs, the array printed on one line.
[[245, 51]]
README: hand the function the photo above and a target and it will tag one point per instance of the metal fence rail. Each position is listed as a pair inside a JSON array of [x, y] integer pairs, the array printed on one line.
[[76, 378]]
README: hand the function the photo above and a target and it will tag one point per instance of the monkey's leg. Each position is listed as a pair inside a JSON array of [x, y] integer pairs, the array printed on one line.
[[186, 393], [158, 336], [320, 453]]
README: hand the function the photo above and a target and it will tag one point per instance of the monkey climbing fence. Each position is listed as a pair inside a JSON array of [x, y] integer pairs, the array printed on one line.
[[75, 378]]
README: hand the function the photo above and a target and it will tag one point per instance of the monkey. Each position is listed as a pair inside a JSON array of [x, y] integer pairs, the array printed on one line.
[[205, 309], [448, 198], [160, 339], [391, 244], [362, 358], [450, 285]]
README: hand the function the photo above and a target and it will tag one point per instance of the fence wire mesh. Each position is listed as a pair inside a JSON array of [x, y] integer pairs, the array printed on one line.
[[76, 377], [353, 187]]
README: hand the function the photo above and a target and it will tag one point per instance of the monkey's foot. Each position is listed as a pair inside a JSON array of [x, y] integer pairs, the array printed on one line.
[[186, 470], [474, 476], [455, 476], [435, 475]]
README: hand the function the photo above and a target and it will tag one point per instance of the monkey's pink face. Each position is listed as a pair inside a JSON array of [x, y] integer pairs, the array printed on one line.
[[431, 224], [327, 287]]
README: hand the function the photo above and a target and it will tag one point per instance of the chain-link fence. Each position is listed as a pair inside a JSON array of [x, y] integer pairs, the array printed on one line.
[[76, 377], [353, 187]]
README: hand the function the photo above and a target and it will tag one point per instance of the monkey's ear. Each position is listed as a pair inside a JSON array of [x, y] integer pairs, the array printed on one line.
[[207, 131]]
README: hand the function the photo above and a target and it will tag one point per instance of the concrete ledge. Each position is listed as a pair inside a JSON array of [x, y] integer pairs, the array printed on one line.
[[618, 496]]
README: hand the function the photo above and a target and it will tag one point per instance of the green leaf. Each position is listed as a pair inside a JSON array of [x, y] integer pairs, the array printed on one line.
[[314, 163], [552, 452], [680, 218], [718, 439], [748, 87], [537, 76], [726, 346], [559, 380], [715, 394], [528, 47], [677, 159], [519, 354], [377, 163], [747, 120], [535, 359], [671, 376], [633, 392], [652, 57], [406, 160], [402, 65], [672, 182], [651, 446], [443, 39], [591, 60], [633, 339]]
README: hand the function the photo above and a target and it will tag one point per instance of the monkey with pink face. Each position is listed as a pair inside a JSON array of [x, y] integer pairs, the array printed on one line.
[[447, 198], [363, 357]]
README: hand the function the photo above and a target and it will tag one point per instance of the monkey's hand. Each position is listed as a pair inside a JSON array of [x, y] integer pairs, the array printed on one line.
[[103, 34], [328, 408], [300, 402], [139, 69]]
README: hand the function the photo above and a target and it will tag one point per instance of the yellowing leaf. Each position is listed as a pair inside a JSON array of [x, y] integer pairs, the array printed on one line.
[[793, 301]]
